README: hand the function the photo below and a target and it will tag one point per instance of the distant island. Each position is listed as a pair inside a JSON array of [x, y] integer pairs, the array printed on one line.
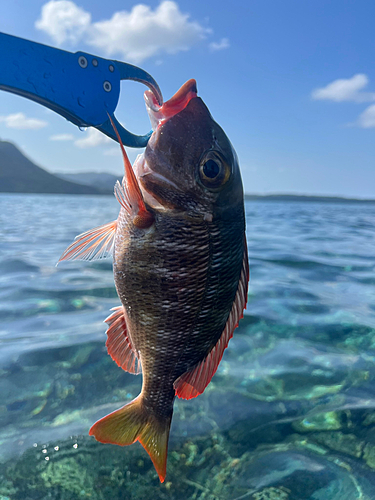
[[18, 174], [103, 180], [305, 198]]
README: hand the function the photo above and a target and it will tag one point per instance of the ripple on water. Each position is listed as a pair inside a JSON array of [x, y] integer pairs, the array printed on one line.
[[289, 414], [17, 266]]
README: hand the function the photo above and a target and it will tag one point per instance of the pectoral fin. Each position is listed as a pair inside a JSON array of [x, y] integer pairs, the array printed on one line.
[[94, 244]]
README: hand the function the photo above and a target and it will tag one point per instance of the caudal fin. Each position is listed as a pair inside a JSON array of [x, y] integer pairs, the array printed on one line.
[[132, 423]]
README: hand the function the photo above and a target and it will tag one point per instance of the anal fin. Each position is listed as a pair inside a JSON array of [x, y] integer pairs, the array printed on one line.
[[192, 383], [118, 343]]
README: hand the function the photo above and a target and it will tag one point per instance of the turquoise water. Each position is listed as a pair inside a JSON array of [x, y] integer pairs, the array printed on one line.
[[289, 414]]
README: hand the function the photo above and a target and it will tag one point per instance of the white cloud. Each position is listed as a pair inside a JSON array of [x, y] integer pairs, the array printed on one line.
[[350, 89], [62, 137], [93, 138], [113, 152], [143, 32], [367, 118], [63, 21], [133, 35], [223, 44], [22, 122], [345, 90]]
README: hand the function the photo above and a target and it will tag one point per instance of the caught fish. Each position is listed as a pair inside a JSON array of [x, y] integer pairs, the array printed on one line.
[[180, 267]]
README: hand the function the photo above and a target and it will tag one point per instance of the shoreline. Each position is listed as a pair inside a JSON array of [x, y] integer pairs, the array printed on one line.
[[248, 197], [305, 198]]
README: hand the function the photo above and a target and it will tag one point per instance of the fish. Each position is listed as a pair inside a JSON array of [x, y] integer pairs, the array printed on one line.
[[180, 266]]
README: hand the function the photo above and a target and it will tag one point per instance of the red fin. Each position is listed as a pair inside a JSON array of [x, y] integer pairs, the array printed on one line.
[[194, 382], [129, 193], [94, 244], [132, 423], [118, 343]]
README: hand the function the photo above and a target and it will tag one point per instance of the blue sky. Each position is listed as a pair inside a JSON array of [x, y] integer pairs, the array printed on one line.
[[292, 83]]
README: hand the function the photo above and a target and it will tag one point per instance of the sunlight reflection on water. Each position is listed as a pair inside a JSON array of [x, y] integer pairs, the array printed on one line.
[[295, 386]]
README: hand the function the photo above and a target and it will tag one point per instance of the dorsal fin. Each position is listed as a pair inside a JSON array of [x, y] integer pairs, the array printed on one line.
[[194, 382], [130, 192], [122, 196], [118, 343]]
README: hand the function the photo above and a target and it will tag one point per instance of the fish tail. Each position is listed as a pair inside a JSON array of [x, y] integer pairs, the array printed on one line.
[[133, 423]]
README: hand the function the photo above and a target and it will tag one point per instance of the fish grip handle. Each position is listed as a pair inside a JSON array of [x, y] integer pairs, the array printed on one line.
[[81, 87]]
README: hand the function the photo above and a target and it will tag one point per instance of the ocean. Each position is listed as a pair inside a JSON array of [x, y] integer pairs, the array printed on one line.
[[289, 414]]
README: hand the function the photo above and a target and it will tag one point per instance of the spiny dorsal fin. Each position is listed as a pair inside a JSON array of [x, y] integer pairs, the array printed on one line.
[[194, 382], [118, 343], [129, 193], [94, 244], [122, 196]]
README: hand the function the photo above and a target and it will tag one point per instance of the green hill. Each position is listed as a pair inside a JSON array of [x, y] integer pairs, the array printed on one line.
[[18, 174]]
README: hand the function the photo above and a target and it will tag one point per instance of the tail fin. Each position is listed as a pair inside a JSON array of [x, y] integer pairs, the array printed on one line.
[[132, 423]]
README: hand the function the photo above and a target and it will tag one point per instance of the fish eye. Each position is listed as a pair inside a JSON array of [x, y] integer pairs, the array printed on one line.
[[214, 171], [211, 169]]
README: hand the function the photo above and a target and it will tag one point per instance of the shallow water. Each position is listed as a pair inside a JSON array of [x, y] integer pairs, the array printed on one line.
[[290, 412]]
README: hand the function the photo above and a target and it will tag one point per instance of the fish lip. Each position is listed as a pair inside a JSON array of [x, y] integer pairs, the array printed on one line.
[[151, 101], [160, 114]]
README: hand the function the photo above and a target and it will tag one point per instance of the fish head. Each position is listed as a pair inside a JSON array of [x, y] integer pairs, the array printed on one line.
[[189, 163]]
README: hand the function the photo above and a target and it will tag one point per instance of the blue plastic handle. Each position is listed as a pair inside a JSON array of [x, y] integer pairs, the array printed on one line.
[[81, 87]]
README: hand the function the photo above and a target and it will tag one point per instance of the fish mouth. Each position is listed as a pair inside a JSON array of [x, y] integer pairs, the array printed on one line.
[[160, 114], [149, 179]]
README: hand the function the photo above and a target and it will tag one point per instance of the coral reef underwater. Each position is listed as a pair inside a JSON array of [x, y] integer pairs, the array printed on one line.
[[258, 432]]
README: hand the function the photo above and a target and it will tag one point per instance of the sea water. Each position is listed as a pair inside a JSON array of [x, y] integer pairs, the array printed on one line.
[[289, 414]]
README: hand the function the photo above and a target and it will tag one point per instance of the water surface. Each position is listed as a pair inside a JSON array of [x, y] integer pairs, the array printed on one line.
[[290, 412]]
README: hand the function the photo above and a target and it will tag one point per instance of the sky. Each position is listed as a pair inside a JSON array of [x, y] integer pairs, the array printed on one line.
[[291, 82]]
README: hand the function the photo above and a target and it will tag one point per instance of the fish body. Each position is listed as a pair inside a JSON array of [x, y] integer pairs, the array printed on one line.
[[180, 267]]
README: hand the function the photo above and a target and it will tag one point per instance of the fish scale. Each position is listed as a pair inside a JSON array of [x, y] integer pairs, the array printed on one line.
[[180, 267], [188, 309]]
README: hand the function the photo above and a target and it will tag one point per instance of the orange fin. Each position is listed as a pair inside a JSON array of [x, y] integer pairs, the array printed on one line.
[[129, 193], [118, 344], [194, 382], [94, 244], [132, 423]]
